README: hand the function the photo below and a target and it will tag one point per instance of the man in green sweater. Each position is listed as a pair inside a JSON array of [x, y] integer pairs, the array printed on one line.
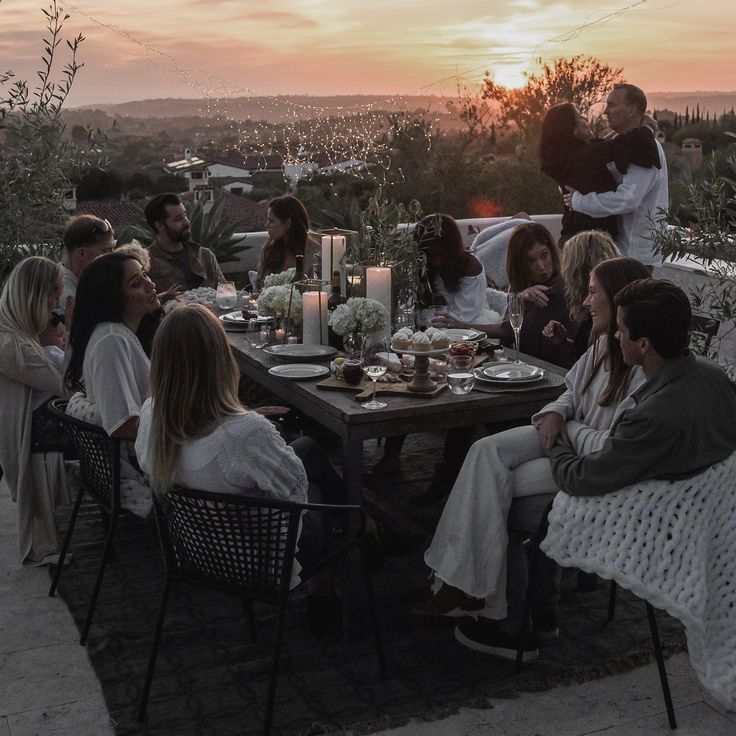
[[683, 419]]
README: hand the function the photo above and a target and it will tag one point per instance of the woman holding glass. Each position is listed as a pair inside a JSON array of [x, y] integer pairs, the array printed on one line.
[[469, 549], [28, 376], [533, 268]]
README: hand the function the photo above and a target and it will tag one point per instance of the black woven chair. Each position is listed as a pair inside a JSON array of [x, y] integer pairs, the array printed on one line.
[[99, 464], [537, 540], [243, 546]]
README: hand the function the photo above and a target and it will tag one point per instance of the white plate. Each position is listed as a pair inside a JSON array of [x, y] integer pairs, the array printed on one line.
[[512, 373], [420, 353], [299, 371], [238, 319], [462, 335], [301, 352]]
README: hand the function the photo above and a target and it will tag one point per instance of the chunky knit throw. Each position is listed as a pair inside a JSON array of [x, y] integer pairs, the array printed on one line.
[[672, 543]]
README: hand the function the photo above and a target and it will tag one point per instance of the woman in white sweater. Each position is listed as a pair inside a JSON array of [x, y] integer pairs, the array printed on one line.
[[194, 431], [27, 376], [468, 552]]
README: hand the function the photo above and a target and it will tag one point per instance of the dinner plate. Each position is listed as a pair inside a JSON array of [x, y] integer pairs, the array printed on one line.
[[301, 352], [464, 335], [299, 371], [238, 319], [511, 373]]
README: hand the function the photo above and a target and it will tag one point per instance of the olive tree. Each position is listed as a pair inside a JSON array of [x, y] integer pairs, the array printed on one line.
[[36, 159]]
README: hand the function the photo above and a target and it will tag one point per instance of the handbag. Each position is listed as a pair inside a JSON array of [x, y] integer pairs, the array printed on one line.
[[48, 434]]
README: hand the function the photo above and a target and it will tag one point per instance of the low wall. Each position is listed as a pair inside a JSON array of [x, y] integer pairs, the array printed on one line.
[[248, 259]]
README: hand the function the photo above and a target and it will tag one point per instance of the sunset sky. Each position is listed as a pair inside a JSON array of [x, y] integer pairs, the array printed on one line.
[[138, 49]]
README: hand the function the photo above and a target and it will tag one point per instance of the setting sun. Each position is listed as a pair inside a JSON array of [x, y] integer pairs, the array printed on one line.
[[176, 48]]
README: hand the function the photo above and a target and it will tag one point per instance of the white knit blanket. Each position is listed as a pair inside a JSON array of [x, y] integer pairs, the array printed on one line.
[[672, 543]]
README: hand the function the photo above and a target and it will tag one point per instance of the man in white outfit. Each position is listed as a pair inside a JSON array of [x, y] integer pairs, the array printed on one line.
[[642, 195]]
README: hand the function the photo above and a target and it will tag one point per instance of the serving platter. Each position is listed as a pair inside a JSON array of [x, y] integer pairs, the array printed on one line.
[[299, 371]]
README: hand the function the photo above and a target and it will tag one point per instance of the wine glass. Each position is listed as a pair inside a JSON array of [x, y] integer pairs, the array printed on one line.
[[374, 354], [226, 296], [516, 317]]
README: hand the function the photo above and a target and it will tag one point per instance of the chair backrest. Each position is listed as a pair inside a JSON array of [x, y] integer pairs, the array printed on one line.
[[232, 543], [99, 457], [702, 330]]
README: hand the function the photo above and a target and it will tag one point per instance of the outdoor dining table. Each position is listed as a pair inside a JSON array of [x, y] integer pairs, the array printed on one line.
[[341, 413]]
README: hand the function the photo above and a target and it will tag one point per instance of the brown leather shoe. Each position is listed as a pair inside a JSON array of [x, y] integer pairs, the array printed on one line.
[[447, 606]]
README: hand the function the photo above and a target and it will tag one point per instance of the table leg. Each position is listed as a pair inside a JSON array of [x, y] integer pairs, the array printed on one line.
[[354, 622]]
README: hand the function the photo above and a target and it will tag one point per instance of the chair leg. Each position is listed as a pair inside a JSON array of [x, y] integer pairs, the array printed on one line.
[[377, 638], [67, 540], [660, 665], [100, 575], [250, 615], [154, 649], [525, 619], [278, 640], [106, 526], [612, 601]]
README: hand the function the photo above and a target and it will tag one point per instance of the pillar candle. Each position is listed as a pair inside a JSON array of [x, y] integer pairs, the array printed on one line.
[[378, 287], [333, 254], [315, 315]]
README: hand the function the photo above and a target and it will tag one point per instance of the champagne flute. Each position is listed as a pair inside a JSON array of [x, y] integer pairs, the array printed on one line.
[[516, 317], [374, 356]]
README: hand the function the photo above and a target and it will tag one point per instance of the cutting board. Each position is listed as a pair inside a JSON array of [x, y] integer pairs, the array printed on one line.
[[364, 390]]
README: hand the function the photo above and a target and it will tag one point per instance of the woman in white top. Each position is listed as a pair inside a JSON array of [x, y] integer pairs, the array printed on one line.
[[27, 376], [194, 431], [468, 552], [454, 273], [108, 367]]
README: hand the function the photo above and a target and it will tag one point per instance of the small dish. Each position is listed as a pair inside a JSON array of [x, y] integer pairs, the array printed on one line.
[[299, 371]]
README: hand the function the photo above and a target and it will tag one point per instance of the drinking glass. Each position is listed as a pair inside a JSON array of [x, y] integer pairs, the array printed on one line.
[[257, 334], [516, 317], [374, 365], [226, 296], [460, 376]]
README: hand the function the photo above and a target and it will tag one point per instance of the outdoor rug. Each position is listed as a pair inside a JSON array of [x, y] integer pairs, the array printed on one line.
[[211, 680]]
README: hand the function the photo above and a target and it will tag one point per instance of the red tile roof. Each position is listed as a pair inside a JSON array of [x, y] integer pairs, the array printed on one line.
[[120, 214]]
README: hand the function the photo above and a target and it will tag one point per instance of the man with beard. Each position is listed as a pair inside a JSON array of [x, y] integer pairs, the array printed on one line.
[[177, 263]]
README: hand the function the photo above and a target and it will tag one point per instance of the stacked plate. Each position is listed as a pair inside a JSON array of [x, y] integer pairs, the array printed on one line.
[[509, 374], [464, 335], [301, 352], [236, 321]]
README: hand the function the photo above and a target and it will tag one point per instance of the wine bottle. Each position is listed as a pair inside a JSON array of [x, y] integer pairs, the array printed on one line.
[[334, 300]]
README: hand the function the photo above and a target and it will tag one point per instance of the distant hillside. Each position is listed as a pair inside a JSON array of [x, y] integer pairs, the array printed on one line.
[[302, 107], [269, 109], [713, 102]]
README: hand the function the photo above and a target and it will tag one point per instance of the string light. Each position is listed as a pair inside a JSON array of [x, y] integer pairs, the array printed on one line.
[[357, 139]]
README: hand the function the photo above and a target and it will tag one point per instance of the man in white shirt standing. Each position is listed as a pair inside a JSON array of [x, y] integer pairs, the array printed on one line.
[[642, 194]]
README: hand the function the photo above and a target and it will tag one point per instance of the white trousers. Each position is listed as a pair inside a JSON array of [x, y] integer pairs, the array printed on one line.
[[468, 550]]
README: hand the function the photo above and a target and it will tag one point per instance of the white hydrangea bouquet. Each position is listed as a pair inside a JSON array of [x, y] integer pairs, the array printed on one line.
[[279, 279], [359, 315], [280, 298]]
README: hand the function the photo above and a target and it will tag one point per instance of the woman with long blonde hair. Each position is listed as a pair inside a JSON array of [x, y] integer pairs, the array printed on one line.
[[194, 433], [27, 376], [581, 254]]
